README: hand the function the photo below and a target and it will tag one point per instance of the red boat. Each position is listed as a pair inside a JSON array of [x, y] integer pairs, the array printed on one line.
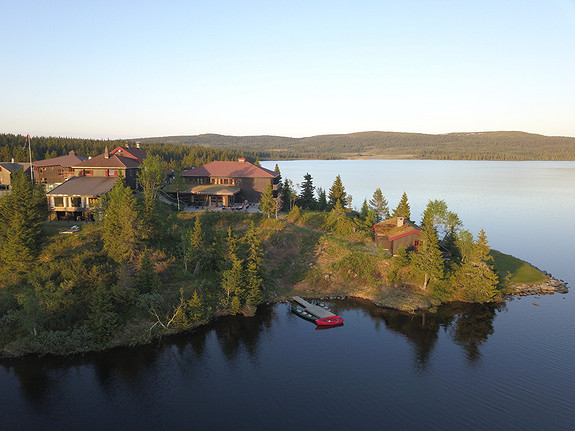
[[330, 321]]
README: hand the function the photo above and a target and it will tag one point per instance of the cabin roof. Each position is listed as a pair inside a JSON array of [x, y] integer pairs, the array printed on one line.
[[230, 169], [70, 159], [113, 161], [390, 228], [130, 152], [13, 167], [84, 186]]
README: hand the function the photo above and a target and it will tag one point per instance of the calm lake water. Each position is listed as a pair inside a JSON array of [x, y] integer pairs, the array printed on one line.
[[478, 367]]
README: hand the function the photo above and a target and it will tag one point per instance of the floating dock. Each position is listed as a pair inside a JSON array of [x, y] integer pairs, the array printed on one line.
[[314, 310]]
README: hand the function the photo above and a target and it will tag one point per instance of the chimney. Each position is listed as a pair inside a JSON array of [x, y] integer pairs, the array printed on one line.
[[137, 145], [106, 154], [72, 153], [242, 160], [399, 221]]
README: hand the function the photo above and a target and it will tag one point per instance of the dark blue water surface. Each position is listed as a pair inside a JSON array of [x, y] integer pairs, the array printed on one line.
[[476, 367]]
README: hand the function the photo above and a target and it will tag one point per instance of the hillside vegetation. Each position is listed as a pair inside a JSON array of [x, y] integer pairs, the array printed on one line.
[[451, 146]]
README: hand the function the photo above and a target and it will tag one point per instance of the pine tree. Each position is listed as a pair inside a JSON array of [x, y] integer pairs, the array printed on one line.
[[233, 277], [151, 177], [307, 195], [380, 205], [196, 243], [428, 259], [288, 195], [147, 281], [364, 210], [257, 162], [120, 231], [403, 209], [321, 199], [337, 193], [253, 267], [475, 280], [102, 319], [22, 212], [267, 202]]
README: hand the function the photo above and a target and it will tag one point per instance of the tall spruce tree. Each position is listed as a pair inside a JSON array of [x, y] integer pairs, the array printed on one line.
[[337, 193], [253, 267], [120, 231], [321, 199], [403, 209], [267, 201], [22, 212], [380, 205], [307, 195], [475, 280], [428, 259], [151, 177]]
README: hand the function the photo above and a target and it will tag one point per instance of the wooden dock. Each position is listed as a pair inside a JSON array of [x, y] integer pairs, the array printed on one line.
[[315, 310]]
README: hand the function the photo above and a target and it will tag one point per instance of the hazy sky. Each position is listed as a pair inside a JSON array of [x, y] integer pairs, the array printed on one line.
[[293, 68]]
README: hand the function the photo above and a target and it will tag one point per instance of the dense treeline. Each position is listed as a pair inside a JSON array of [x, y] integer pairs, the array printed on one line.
[[198, 149], [451, 146], [12, 146]]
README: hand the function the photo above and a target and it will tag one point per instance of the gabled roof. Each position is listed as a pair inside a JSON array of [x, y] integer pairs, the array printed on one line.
[[391, 229], [70, 159], [84, 186], [113, 161], [13, 167], [135, 153], [230, 169]]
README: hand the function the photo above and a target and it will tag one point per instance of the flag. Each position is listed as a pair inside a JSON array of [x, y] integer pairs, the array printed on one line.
[[27, 142]]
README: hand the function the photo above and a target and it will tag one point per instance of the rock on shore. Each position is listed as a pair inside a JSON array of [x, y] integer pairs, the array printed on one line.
[[548, 287]]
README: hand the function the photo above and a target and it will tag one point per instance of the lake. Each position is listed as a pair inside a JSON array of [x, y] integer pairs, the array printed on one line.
[[477, 367]]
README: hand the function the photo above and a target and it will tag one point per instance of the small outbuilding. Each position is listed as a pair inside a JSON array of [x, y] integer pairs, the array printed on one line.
[[395, 233]]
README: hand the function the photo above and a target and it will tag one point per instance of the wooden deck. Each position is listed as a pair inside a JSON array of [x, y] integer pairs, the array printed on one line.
[[316, 310]]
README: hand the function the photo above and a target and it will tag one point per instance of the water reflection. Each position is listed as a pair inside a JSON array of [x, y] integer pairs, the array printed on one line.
[[468, 325]]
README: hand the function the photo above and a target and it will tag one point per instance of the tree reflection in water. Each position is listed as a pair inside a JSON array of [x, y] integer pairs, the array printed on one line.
[[468, 325]]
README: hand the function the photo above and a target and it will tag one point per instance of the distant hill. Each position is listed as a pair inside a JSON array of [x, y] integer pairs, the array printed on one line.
[[392, 145]]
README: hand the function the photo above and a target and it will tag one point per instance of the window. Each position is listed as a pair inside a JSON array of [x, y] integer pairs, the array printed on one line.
[[76, 201], [416, 245], [88, 172], [112, 173], [58, 201]]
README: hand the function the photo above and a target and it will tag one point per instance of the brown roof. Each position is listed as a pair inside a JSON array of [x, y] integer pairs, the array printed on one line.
[[13, 167], [113, 161], [390, 228], [230, 169], [70, 159], [83, 186], [130, 152]]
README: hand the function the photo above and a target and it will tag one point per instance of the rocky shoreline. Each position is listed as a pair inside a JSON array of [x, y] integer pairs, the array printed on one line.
[[549, 287]]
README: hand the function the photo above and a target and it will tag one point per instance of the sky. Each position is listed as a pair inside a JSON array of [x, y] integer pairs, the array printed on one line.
[[128, 69]]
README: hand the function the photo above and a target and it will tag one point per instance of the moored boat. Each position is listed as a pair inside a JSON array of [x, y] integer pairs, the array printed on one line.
[[319, 314], [330, 321]]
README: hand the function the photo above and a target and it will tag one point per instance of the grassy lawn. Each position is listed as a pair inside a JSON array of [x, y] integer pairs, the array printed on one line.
[[518, 271]]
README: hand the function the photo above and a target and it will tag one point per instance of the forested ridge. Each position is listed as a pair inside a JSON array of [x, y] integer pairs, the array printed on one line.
[[451, 146], [207, 147]]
